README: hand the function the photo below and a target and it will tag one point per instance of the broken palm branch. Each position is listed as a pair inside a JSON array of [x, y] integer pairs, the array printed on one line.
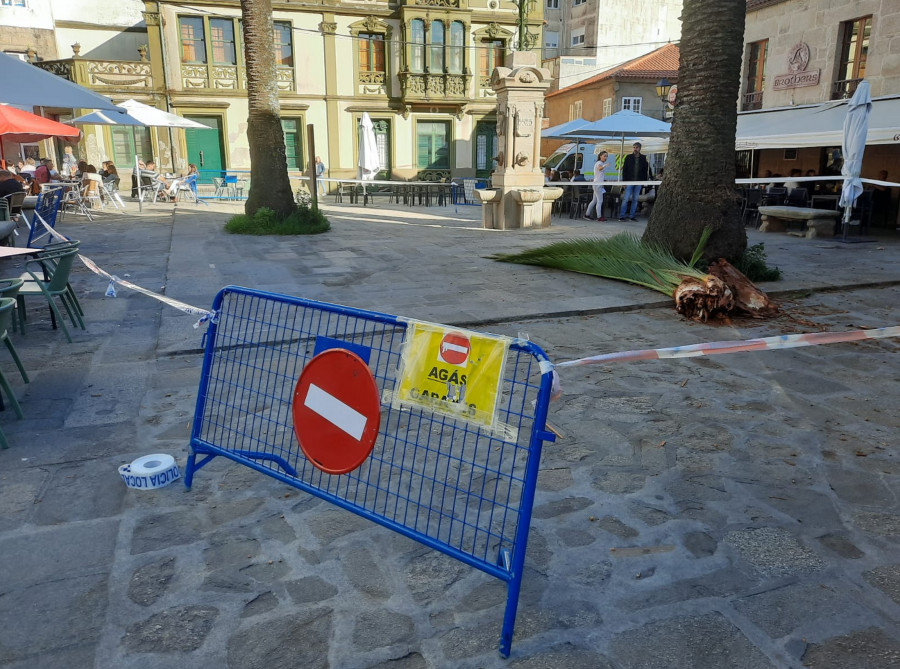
[[625, 257]]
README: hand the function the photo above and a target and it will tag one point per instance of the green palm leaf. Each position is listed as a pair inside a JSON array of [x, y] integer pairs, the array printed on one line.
[[623, 257]]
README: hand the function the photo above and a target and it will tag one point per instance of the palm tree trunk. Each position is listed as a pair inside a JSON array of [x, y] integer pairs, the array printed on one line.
[[269, 183], [698, 184]]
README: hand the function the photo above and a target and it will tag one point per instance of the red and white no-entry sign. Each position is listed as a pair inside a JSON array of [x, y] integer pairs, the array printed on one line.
[[455, 348], [336, 411]]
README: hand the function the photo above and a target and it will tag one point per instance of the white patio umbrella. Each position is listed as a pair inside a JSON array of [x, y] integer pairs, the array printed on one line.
[[558, 131], [134, 113], [24, 85], [369, 162], [856, 127]]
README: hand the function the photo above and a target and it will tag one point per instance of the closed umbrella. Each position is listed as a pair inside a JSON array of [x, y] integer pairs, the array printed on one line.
[[22, 126], [369, 161], [856, 127], [24, 84]]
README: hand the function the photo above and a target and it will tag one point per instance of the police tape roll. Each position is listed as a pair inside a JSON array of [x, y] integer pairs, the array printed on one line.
[[150, 472]]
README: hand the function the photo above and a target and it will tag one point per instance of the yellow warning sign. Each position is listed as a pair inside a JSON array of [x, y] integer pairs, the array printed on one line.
[[452, 372]]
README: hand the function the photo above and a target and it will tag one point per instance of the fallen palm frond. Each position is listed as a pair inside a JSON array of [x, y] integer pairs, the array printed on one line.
[[623, 257]]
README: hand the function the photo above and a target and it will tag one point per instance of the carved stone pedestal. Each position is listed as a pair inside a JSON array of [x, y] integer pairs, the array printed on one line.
[[520, 199]]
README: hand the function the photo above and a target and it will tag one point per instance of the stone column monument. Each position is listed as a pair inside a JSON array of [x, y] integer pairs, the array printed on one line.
[[517, 198]]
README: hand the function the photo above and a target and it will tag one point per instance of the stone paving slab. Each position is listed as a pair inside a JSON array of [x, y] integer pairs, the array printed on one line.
[[736, 511]]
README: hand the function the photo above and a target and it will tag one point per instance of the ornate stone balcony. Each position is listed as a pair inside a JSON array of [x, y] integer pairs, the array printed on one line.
[[372, 83], [102, 74], [420, 86], [227, 77]]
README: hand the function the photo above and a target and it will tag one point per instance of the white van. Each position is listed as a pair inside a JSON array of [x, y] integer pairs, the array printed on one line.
[[580, 156], [583, 155]]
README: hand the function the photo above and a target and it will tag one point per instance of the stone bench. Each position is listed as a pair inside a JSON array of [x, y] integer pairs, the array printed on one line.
[[819, 222]]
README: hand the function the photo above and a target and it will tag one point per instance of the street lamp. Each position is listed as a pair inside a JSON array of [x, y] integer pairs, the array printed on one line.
[[662, 92]]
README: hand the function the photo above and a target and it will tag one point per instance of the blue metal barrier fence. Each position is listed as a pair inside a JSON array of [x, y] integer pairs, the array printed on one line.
[[447, 483]]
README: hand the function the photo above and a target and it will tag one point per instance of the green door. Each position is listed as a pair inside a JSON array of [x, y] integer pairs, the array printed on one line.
[[204, 147], [486, 148]]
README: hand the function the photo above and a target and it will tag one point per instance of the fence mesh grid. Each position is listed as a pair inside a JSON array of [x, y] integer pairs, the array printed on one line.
[[436, 476]]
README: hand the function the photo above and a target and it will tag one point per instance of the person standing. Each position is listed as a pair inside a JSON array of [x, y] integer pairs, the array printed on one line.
[[636, 168], [69, 163], [320, 172], [596, 204]]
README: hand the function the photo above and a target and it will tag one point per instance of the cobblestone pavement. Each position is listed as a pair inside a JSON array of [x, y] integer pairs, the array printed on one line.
[[734, 511]]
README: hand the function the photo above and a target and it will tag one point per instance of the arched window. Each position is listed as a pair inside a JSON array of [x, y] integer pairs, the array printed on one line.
[[417, 45], [455, 55], [437, 47]]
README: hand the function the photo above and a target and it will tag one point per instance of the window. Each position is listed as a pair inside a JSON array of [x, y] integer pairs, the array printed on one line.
[[575, 110], [193, 43], [284, 44], [455, 52], [756, 66], [854, 48], [128, 143], [551, 40], [632, 104], [221, 37], [417, 46], [578, 38], [490, 56], [756, 75], [293, 142], [371, 52], [14, 3], [552, 4], [433, 145], [578, 2], [437, 47], [607, 107]]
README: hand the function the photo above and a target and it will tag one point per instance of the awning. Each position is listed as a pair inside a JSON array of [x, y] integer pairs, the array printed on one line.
[[815, 125]]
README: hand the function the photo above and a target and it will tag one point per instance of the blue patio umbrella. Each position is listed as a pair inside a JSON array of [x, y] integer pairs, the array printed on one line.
[[558, 131], [620, 125], [856, 128]]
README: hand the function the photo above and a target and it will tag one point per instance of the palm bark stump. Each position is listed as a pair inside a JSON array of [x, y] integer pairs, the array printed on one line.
[[698, 184], [269, 183]]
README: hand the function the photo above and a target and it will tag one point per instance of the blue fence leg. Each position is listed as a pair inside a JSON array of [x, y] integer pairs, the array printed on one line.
[[189, 469], [509, 616]]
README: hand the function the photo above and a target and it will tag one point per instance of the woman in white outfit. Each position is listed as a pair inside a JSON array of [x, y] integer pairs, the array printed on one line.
[[596, 205]]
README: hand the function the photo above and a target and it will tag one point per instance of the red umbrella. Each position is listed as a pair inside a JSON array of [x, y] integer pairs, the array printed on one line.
[[22, 126]]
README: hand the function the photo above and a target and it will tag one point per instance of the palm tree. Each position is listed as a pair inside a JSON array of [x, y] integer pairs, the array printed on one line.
[[698, 183], [269, 183]]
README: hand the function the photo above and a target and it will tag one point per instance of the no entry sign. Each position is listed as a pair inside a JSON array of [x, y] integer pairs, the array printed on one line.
[[455, 348], [336, 411]]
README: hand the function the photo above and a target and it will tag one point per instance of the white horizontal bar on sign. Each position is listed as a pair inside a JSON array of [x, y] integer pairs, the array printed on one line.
[[336, 412]]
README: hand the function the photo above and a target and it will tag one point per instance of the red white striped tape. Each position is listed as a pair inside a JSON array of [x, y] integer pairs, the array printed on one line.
[[721, 347]]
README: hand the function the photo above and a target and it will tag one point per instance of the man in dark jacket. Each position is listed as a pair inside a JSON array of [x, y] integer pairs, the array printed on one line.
[[9, 184], [636, 168]]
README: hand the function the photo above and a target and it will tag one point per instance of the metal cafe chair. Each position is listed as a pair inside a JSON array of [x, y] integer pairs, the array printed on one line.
[[55, 266], [7, 305]]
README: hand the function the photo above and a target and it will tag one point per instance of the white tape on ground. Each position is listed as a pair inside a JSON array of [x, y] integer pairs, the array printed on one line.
[[91, 265]]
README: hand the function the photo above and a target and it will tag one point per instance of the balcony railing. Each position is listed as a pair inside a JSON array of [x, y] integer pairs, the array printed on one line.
[[752, 101], [844, 88], [100, 74]]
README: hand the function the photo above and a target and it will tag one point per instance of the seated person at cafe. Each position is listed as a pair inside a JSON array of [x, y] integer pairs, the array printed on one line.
[[150, 174], [28, 167], [82, 166], [43, 173], [9, 184], [578, 176], [792, 182]]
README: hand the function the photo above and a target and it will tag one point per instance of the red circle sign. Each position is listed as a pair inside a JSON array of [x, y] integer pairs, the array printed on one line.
[[455, 348], [336, 411]]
